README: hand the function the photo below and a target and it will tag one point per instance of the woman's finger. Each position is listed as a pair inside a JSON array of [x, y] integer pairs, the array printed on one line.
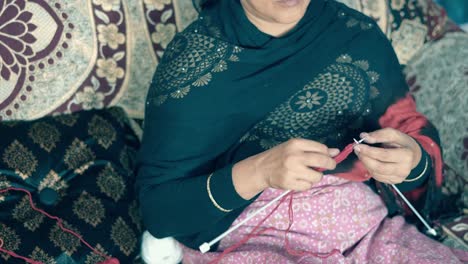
[[318, 161], [386, 135], [300, 185], [384, 168], [309, 175], [392, 155], [305, 145]]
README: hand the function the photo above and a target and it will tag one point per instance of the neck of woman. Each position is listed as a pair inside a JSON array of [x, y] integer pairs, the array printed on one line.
[[269, 27]]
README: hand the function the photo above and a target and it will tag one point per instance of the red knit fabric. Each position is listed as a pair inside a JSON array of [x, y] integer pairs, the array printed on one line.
[[404, 117]]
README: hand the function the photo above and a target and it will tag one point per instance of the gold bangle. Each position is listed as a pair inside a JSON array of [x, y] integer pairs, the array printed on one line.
[[208, 189], [420, 175]]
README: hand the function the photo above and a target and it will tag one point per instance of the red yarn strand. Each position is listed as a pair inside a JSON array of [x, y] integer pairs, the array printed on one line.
[[108, 260], [298, 253]]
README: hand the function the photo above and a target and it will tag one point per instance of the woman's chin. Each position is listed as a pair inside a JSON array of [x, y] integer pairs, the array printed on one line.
[[289, 18], [289, 3], [289, 11]]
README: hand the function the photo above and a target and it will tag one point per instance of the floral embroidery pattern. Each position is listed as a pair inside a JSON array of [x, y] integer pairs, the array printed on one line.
[[309, 100], [93, 258], [4, 183], [111, 183], [156, 4], [78, 155], [335, 96], [20, 159], [39, 255], [11, 240], [108, 68], [54, 182], [15, 37], [45, 135], [110, 71], [89, 209], [63, 240], [23, 213], [408, 39], [102, 131], [164, 34], [21, 51], [110, 35], [108, 5], [123, 236], [90, 98]]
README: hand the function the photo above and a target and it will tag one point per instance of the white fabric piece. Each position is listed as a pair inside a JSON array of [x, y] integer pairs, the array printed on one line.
[[160, 251]]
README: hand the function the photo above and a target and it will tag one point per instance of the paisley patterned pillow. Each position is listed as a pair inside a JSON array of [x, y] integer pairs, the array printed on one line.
[[407, 23], [77, 167], [64, 56]]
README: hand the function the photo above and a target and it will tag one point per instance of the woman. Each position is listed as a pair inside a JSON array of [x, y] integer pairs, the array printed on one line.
[[251, 100]]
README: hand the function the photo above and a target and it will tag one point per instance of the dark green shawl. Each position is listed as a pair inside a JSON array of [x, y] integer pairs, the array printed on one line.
[[225, 91]]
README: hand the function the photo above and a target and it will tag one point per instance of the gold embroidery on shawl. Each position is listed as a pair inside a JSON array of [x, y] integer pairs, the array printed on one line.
[[352, 22], [102, 131], [21, 159], [11, 240], [341, 88], [45, 135], [63, 240], [23, 213], [89, 209], [111, 183], [269, 143], [78, 154], [180, 93], [123, 236], [39, 255], [189, 62]]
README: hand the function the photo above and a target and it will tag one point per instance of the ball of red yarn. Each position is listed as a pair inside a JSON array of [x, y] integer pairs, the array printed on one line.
[[110, 261]]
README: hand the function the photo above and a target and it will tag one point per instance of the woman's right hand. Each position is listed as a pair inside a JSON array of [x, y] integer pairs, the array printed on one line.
[[291, 165]]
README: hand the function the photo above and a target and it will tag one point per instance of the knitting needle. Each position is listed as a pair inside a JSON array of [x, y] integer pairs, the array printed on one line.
[[205, 247], [430, 230]]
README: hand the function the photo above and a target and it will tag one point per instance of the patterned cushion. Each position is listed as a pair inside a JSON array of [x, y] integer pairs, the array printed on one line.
[[407, 23], [79, 168], [65, 56], [438, 76]]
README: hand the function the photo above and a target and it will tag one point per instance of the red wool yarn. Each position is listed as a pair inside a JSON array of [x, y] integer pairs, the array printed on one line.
[[108, 260], [255, 232]]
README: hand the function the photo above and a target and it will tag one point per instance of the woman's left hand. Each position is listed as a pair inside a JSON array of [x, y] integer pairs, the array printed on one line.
[[392, 163]]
